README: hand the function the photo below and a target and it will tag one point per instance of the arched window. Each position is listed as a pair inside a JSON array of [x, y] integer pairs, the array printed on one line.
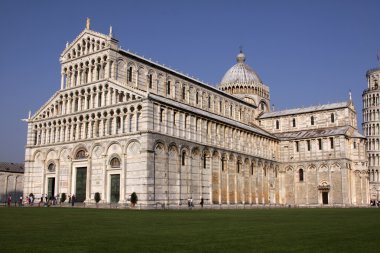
[[150, 78], [168, 87], [252, 169], [81, 154], [51, 167], [300, 172], [118, 123], [277, 124], [137, 121], [238, 165], [294, 122], [183, 158], [115, 162], [129, 74], [312, 120], [332, 118], [262, 105], [320, 144], [183, 92], [204, 161]]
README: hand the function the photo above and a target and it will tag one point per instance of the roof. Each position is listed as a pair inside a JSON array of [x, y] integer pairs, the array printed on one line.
[[12, 167], [304, 110], [211, 115], [240, 73], [315, 133]]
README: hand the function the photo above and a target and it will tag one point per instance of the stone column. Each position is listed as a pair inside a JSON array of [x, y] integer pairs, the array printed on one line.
[[103, 98], [62, 80], [115, 100]]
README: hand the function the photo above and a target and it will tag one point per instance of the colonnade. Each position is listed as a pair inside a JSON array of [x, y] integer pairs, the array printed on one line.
[[88, 126], [177, 123]]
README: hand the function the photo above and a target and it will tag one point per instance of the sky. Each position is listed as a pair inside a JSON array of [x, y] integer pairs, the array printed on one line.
[[307, 52]]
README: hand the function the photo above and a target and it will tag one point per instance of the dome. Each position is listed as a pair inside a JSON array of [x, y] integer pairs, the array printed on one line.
[[240, 73]]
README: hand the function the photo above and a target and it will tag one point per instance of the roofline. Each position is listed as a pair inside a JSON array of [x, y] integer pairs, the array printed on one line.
[[346, 105], [309, 138], [183, 76]]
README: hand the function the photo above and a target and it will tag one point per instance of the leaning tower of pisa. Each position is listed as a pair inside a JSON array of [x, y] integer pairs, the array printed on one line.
[[371, 122]]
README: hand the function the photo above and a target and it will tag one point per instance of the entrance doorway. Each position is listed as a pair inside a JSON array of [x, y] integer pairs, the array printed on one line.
[[115, 188], [325, 198], [80, 187], [51, 187]]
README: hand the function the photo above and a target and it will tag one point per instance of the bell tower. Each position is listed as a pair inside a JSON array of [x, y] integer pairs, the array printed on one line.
[[371, 129]]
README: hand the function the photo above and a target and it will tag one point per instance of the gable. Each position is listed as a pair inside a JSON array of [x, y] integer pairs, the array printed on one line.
[[85, 43]]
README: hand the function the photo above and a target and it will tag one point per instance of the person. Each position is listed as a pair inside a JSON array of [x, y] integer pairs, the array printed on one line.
[[9, 200], [201, 202], [69, 198], [20, 201], [72, 200], [188, 202], [191, 202], [31, 199]]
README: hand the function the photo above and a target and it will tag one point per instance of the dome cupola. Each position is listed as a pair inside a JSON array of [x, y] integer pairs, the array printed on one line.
[[240, 72], [243, 82]]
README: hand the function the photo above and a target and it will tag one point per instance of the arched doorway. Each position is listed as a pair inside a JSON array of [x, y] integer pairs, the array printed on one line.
[[80, 176]]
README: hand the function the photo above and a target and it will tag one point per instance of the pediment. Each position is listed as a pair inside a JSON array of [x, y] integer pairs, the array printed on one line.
[[85, 43], [52, 107]]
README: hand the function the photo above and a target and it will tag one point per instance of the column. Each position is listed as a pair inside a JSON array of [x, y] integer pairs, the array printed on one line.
[[79, 102], [69, 80], [62, 80], [101, 127], [90, 128], [109, 102], [115, 100], [103, 98], [89, 79], [106, 69]]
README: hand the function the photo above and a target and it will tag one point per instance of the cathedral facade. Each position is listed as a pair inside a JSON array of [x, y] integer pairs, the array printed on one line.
[[121, 123]]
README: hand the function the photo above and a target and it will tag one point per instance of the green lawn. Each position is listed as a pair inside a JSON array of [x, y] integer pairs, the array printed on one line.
[[270, 230]]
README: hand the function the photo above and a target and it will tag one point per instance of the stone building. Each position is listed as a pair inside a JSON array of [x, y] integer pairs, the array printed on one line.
[[371, 122], [11, 180], [121, 123]]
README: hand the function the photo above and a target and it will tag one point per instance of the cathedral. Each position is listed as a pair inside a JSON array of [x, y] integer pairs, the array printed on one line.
[[121, 123]]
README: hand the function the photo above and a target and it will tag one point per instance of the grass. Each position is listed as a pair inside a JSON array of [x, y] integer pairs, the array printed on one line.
[[269, 230]]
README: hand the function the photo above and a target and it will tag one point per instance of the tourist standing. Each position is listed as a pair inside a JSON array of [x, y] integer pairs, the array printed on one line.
[[72, 200], [201, 202], [9, 200]]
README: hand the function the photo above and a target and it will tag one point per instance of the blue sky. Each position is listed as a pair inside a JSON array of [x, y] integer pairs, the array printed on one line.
[[307, 52]]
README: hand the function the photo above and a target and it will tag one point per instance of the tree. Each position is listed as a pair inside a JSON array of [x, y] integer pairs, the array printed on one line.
[[134, 198], [63, 197], [97, 198]]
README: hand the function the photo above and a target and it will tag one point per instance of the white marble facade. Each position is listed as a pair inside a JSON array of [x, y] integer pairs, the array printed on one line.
[[121, 123]]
